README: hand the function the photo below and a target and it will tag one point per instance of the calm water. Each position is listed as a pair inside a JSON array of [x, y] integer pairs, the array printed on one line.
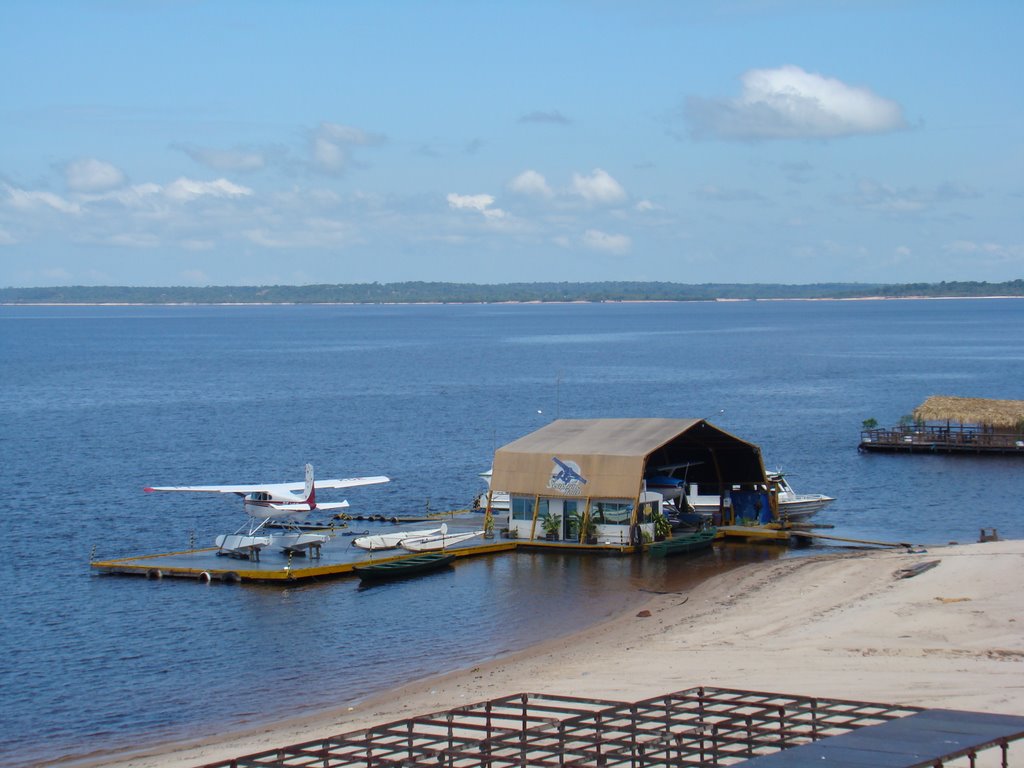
[[96, 402]]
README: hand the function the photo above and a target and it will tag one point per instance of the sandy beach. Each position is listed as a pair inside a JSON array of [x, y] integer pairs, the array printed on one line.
[[836, 626]]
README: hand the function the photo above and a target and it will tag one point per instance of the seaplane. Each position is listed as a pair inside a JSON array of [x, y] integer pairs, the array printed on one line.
[[282, 504]]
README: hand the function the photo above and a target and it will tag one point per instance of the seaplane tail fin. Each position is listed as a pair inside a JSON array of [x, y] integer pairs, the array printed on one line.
[[310, 487]]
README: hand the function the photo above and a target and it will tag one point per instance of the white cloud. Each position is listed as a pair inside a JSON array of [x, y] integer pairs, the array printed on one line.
[[790, 103], [598, 187], [28, 200], [92, 175], [532, 184], [602, 241], [646, 206], [189, 189], [331, 144], [480, 203], [6, 238]]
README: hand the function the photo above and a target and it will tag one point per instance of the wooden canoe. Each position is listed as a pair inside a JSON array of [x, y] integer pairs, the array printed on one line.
[[406, 566], [678, 545]]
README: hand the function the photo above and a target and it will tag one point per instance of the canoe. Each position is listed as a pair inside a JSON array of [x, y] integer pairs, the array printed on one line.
[[393, 540], [678, 545], [438, 541], [406, 566]]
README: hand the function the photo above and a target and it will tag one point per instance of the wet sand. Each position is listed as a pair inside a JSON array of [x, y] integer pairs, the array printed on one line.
[[835, 626]]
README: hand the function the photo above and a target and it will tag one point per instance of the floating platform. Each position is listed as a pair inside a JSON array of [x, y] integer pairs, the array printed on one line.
[[929, 439], [338, 557]]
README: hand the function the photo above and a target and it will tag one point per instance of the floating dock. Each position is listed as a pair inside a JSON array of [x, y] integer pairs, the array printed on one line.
[[338, 557]]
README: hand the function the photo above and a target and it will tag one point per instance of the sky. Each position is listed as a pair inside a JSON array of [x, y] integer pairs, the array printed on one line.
[[222, 142]]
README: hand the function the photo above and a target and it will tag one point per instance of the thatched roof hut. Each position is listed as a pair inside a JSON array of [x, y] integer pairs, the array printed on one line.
[[998, 414]]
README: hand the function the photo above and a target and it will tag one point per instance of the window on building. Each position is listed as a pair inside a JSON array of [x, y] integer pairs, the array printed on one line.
[[522, 508], [646, 512], [611, 512]]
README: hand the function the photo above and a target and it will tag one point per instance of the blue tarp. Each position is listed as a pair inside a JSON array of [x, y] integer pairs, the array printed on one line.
[[751, 505]]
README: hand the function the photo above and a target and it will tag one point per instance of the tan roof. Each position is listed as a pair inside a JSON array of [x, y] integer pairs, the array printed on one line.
[[608, 456], [1006, 414]]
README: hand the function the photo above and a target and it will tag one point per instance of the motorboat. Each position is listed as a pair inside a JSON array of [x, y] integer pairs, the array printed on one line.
[[500, 501], [438, 541], [797, 505], [792, 505], [394, 540]]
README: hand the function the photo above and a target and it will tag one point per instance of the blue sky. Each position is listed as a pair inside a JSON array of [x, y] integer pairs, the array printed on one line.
[[184, 142]]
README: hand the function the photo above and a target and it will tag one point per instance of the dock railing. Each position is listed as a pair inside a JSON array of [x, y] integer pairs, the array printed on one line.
[[942, 439]]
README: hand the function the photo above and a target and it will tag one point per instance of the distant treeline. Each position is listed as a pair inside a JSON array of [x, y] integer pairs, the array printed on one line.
[[443, 293]]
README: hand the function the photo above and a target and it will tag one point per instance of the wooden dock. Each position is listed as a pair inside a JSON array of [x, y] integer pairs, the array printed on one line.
[[933, 439], [338, 558]]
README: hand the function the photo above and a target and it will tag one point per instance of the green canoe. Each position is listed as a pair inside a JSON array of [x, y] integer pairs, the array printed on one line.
[[678, 545], [406, 566]]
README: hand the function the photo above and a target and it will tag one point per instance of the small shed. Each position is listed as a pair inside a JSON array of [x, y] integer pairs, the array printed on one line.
[[586, 479]]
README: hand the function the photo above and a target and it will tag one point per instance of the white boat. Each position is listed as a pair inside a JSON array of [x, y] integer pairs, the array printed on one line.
[[241, 544], [394, 540], [296, 541], [438, 541], [499, 499], [792, 505], [796, 505]]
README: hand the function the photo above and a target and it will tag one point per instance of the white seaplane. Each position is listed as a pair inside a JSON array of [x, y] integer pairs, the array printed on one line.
[[280, 503]]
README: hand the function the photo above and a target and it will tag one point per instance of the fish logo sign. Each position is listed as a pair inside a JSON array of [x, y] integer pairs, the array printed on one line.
[[566, 477]]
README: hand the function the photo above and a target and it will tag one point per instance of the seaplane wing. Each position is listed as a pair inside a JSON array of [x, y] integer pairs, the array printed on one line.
[[241, 490], [332, 505], [350, 482]]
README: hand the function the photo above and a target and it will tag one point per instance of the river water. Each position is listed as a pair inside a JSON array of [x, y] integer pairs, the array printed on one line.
[[98, 402]]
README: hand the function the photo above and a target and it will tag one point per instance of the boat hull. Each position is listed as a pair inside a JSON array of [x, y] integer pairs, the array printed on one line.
[[680, 545], [407, 566], [803, 505], [393, 540]]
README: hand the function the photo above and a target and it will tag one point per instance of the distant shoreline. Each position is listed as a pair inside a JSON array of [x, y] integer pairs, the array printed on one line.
[[419, 292], [485, 303]]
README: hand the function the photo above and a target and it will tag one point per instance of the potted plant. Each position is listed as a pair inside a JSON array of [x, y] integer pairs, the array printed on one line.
[[586, 526], [662, 527], [552, 525]]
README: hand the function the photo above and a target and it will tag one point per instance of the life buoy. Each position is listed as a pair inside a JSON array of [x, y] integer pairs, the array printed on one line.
[[204, 577]]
